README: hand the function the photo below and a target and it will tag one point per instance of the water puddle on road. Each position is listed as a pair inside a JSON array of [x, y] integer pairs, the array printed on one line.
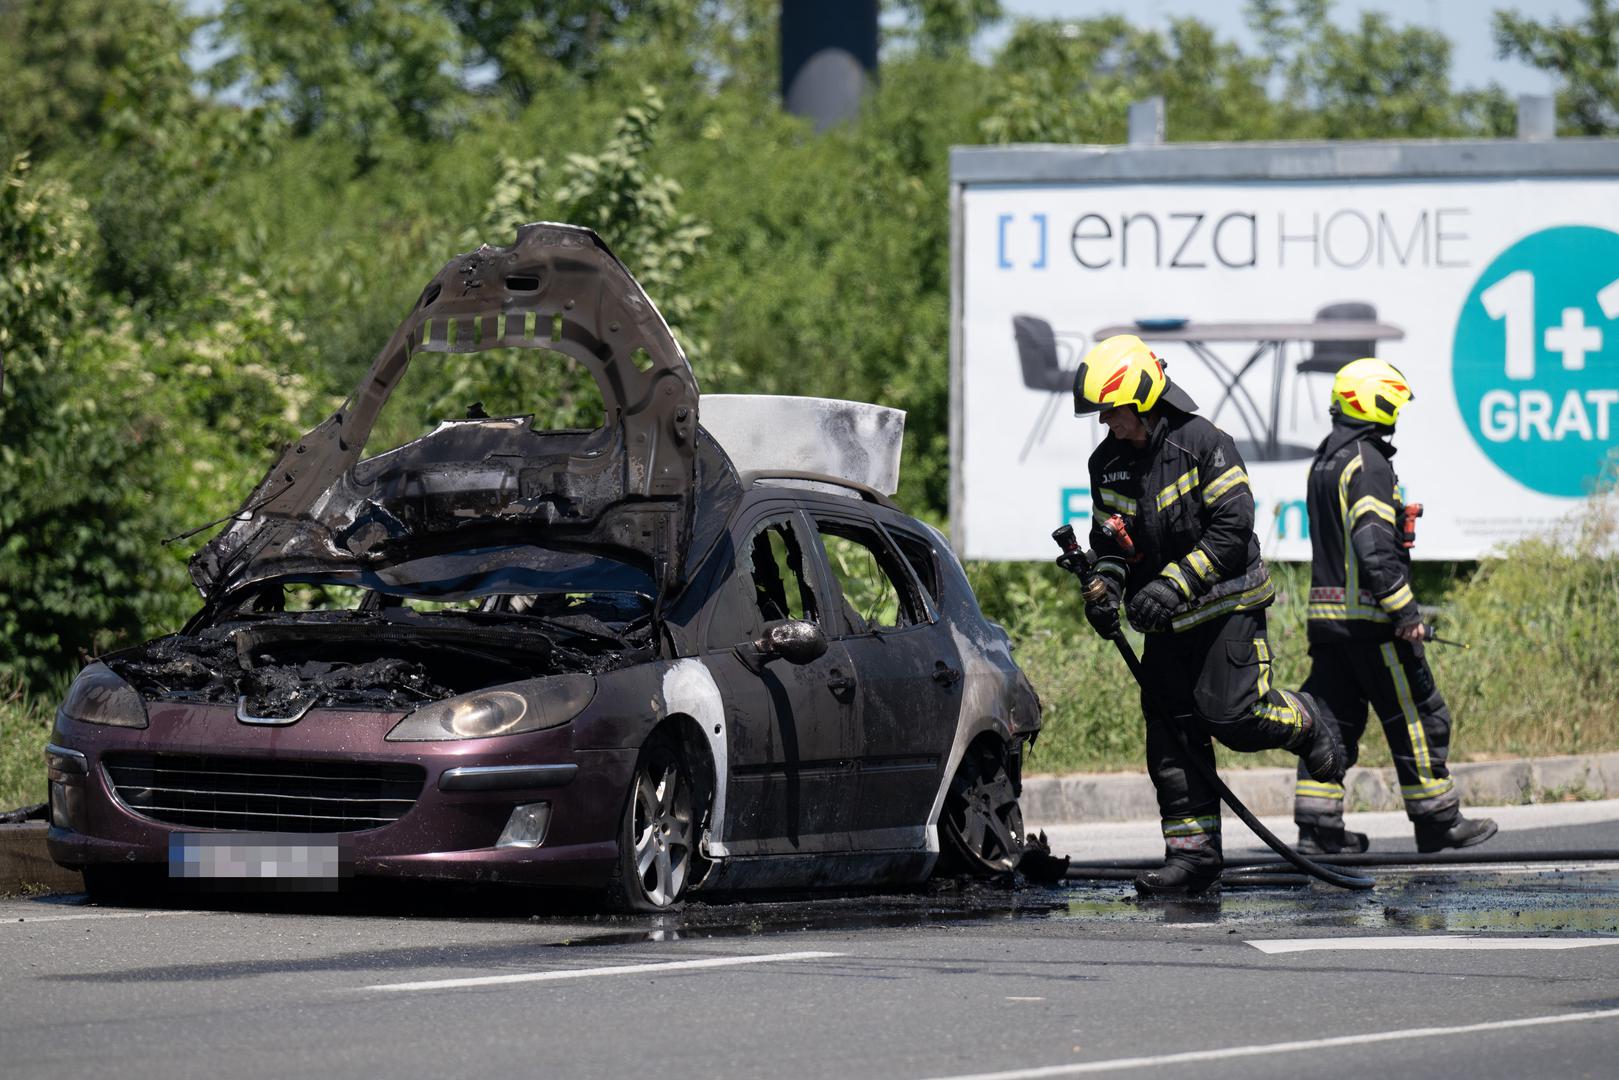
[[1519, 900], [1506, 899], [946, 905]]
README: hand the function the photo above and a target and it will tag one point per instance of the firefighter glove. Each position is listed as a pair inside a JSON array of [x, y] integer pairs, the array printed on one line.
[[1104, 617], [1411, 630], [1151, 608]]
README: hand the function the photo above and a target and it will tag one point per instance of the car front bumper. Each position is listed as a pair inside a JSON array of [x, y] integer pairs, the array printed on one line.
[[451, 831]]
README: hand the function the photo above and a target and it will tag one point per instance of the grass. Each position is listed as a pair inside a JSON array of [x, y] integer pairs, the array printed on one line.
[[25, 725]]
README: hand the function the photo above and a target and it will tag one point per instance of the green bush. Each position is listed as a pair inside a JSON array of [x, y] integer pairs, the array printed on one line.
[[25, 727], [1542, 675], [74, 445]]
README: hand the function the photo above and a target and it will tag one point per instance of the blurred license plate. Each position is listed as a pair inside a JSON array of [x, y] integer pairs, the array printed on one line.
[[268, 858]]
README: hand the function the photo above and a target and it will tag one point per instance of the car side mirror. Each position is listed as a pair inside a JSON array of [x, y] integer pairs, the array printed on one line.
[[794, 641]]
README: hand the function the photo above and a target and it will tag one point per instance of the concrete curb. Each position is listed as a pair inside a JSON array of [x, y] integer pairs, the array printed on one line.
[[1082, 797], [25, 866]]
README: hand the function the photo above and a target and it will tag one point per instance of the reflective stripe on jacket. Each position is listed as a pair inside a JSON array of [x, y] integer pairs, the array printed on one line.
[[1188, 506], [1360, 575]]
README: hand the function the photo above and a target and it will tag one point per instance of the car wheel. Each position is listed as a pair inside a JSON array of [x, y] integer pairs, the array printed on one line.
[[658, 837], [981, 827]]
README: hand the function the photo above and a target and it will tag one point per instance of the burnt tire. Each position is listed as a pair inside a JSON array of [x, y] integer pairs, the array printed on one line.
[[981, 825], [658, 860]]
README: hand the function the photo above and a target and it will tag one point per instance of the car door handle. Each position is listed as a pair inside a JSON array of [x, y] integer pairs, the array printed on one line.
[[945, 675], [840, 683]]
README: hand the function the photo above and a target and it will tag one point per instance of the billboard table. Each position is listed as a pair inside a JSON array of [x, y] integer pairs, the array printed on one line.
[[1267, 338]]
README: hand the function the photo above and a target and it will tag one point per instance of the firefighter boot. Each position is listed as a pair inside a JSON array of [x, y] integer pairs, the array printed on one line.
[[1184, 873], [1326, 840], [1318, 741], [1459, 832]]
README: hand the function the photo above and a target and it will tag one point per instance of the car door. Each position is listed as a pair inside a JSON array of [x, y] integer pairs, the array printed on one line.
[[793, 738], [907, 673]]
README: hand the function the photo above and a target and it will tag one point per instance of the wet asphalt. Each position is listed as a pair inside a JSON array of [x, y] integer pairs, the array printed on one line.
[[1496, 970]]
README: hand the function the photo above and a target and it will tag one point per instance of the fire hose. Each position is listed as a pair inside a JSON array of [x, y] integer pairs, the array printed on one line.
[[1079, 564]]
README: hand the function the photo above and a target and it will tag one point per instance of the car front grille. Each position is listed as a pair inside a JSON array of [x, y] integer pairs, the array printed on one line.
[[208, 792]]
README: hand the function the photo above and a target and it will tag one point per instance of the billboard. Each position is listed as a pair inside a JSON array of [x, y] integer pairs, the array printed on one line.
[[1487, 272]]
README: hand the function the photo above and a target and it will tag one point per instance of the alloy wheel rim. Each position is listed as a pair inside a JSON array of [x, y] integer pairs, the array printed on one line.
[[991, 822], [663, 833]]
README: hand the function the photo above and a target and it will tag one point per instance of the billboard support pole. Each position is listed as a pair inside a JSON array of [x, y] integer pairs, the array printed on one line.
[[1146, 122], [1537, 116]]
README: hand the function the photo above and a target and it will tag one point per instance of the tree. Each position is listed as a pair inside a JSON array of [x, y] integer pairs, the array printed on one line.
[[101, 91], [360, 69], [827, 272], [613, 191], [1583, 54], [939, 26], [524, 40], [1373, 81], [76, 69], [1074, 81], [616, 193], [74, 444]]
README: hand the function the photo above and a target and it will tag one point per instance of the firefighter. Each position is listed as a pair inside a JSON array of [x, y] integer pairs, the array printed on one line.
[[1186, 571], [1365, 631]]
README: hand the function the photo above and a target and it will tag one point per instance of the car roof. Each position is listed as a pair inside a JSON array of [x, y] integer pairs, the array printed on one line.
[[829, 493]]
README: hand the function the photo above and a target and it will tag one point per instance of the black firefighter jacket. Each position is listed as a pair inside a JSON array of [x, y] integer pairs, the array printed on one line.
[[1187, 505], [1360, 573]]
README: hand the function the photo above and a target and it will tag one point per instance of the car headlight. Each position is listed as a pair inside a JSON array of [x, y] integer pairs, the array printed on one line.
[[549, 703], [98, 696]]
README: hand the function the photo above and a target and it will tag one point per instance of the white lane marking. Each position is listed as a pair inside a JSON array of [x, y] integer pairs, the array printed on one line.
[[1503, 868], [29, 920], [1532, 868], [1119, 1064], [588, 973], [1444, 942]]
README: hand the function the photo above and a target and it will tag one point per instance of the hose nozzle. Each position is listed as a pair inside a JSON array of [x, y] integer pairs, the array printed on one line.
[[1431, 634], [1074, 560]]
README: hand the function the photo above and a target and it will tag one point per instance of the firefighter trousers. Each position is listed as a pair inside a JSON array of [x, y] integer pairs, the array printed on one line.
[[1392, 677], [1212, 680]]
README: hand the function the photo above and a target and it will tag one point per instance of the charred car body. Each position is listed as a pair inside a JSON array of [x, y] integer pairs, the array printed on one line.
[[587, 658]]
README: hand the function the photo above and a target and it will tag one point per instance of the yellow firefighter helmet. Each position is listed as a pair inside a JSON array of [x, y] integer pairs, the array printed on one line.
[[1371, 389], [1121, 370]]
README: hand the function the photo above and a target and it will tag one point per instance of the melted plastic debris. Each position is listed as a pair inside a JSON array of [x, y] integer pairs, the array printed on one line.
[[177, 666], [207, 669], [386, 683]]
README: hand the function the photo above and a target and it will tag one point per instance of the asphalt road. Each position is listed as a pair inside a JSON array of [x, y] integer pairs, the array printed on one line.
[[1487, 971]]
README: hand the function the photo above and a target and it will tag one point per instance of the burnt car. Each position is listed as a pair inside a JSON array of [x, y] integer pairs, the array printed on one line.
[[602, 659]]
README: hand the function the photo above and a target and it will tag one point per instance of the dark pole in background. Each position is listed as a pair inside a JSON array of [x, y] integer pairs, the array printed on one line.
[[828, 57]]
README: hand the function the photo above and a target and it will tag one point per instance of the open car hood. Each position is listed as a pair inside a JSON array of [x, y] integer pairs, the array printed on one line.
[[636, 487]]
